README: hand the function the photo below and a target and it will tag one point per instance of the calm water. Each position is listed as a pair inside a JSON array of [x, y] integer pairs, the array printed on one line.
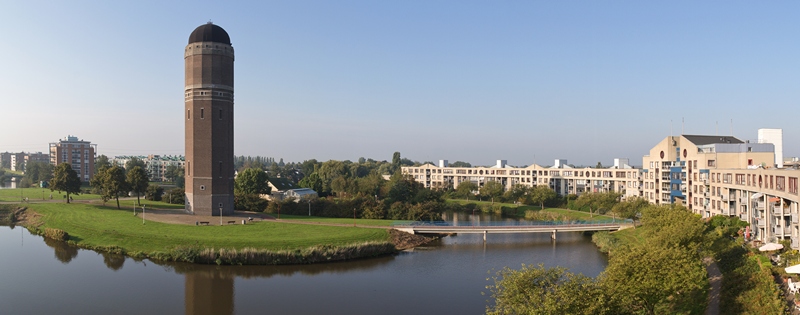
[[39, 276]]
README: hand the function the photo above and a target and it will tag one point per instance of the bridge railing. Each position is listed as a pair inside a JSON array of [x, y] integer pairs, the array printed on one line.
[[511, 223]]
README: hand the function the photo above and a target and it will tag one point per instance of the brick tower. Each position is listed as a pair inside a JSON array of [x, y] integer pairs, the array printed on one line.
[[208, 96]]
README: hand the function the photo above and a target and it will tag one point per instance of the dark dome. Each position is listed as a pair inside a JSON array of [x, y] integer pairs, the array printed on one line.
[[209, 33]]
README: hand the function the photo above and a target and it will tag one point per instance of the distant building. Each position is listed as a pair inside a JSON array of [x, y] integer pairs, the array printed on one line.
[[774, 136], [79, 154], [155, 165], [282, 188], [561, 177]]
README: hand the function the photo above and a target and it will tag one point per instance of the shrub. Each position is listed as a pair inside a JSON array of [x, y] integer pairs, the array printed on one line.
[[56, 234]]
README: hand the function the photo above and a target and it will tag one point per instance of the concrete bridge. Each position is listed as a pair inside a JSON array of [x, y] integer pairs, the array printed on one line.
[[514, 227]]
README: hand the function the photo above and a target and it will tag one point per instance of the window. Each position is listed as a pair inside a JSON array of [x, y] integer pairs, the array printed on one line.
[[202, 113], [188, 114], [188, 168], [712, 163], [220, 114], [202, 187]]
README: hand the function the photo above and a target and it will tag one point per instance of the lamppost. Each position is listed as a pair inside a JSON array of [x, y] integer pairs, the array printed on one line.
[[220, 216], [143, 214], [309, 207]]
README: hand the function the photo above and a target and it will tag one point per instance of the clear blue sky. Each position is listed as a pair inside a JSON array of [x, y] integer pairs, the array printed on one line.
[[458, 80]]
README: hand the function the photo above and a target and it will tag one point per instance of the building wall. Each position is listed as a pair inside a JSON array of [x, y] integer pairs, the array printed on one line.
[[564, 180], [209, 127], [80, 154]]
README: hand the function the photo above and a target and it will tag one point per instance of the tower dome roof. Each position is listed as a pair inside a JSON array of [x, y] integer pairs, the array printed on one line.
[[209, 33]]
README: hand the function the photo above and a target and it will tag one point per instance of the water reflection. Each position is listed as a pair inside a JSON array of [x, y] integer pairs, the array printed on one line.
[[209, 291], [113, 261], [63, 252]]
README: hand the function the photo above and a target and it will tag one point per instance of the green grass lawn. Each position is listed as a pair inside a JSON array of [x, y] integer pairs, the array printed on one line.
[[35, 194], [312, 219], [631, 236], [519, 210], [94, 225]]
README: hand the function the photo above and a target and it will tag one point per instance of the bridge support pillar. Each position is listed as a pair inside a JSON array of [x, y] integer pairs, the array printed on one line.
[[484, 236], [553, 236]]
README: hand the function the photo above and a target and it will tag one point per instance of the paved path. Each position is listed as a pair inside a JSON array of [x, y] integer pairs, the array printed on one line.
[[715, 280]]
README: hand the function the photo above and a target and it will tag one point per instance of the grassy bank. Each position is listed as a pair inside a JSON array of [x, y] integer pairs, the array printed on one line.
[[105, 228], [39, 194], [528, 211], [341, 221]]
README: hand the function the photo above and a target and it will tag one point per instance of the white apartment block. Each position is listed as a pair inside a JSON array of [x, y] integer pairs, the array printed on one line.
[[561, 177], [710, 175], [155, 165]]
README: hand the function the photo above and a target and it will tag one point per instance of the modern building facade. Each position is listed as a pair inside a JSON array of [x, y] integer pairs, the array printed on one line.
[[208, 112], [155, 165], [561, 177], [79, 154]]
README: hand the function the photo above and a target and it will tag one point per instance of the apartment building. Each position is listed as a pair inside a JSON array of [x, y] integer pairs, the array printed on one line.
[[561, 177], [155, 165], [79, 153], [677, 168]]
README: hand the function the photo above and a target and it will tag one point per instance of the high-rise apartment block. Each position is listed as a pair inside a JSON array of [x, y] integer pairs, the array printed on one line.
[[79, 154]]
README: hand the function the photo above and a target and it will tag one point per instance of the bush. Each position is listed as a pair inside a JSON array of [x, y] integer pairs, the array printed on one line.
[[153, 192], [56, 234], [176, 196], [249, 202]]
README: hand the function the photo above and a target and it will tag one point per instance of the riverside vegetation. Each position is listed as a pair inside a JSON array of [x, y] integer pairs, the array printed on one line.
[[654, 269]]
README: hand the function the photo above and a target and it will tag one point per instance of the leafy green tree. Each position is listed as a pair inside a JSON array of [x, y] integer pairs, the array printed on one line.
[[492, 189], [313, 182], [134, 162], [172, 172], [541, 194], [38, 172], [113, 183], [460, 164], [177, 196], [465, 189], [340, 185], [396, 160], [656, 279], [138, 180], [65, 179], [601, 202], [101, 164], [516, 193], [251, 181], [154, 192], [631, 208], [539, 290]]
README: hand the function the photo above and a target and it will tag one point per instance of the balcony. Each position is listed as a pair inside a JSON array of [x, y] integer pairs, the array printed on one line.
[[761, 222], [778, 230], [795, 218], [795, 243]]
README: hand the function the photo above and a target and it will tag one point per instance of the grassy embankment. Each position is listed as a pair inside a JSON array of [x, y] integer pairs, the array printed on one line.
[[104, 228], [39, 194], [533, 212], [748, 285]]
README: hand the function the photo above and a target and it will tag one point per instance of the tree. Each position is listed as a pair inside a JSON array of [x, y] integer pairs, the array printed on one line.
[[540, 290], [516, 193], [113, 183], [38, 172], [251, 181], [154, 192], [465, 189], [65, 179], [138, 181], [101, 164], [312, 181], [541, 194], [172, 172], [396, 160], [134, 162], [492, 189], [460, 164], [631, 208], [597, 201]]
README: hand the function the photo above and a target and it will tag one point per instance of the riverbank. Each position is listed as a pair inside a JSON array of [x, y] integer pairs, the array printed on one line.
[[107, 229]]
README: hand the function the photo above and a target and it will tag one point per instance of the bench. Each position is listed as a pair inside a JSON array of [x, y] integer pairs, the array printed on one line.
[[204, 223], [231, 222]]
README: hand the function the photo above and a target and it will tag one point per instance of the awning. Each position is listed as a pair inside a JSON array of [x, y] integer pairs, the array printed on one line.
[[756, 195], [773, 199]]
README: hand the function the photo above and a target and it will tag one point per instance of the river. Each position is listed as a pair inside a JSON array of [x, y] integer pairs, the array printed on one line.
[[447, 277]]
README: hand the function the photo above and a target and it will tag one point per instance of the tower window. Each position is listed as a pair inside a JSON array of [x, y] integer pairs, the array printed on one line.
[[188, 114], [220, 114], [202, 187], [202, 113], [188, 168]]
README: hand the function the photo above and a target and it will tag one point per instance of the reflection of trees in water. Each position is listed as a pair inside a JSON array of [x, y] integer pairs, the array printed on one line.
[[208, 292], [283, 270], [113, 261], [63, 252]]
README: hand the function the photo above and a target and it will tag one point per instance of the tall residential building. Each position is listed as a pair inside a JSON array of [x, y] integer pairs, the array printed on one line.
[[79, 154], [561, 177], [155, 165], [774, 136], [208, 110]]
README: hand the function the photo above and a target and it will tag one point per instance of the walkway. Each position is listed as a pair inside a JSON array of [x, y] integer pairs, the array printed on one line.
[[715, 280]]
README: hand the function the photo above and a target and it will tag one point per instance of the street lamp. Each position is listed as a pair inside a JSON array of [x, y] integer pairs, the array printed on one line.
[[143, 214], [220, 216], [309, 207]]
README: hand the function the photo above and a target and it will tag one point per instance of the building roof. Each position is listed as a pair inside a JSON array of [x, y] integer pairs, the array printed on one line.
[[703, 140], [282, 184], [209, 33]]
